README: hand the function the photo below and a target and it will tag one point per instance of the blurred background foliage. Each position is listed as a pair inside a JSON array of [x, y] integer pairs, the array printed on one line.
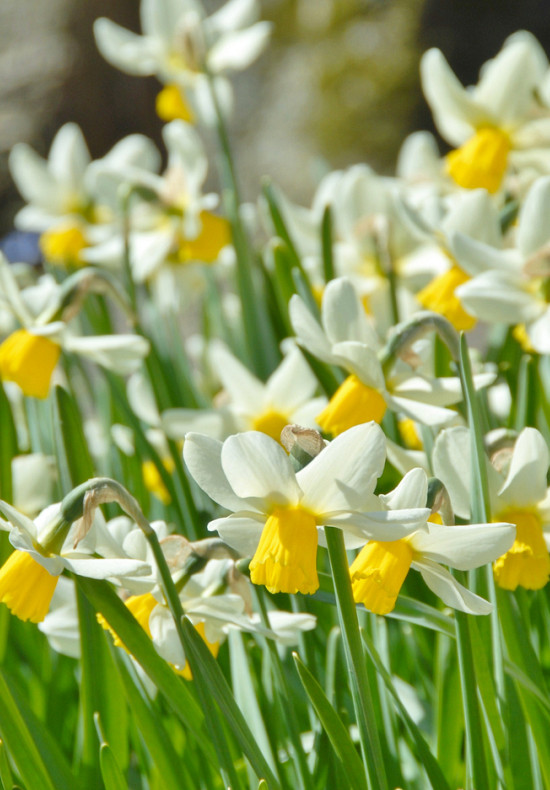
[[339, 83]]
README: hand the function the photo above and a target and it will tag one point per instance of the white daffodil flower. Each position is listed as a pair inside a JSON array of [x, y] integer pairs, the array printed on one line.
[[278, 514], [66, 203], [518, 494], [495, 124], [250, 404], [180, 46], [379, 570], [60, 626], [44, 549], [174, 235], [511, 286], [347, 339], [29, 355]]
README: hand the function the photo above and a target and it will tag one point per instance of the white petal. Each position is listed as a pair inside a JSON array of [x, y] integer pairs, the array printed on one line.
[[464, 547], [412, 491], [107, 569], [203, 458], [34, 180], [382, 525], [424, 413], [239, 531], [455, 112], [344, 474], [497, 296], [533, 232], [245, 390], [508, 81], [526, 481], [234, 15], [121, 353], [18, 520], [476, 257], [362, 361], [238, 50], [141, 398], [446, 587], [291, 383], [69, 157], [125, 50], [307, 329], [452, 465], [539, 332], [165, 637], [344, 316], [257, 467]]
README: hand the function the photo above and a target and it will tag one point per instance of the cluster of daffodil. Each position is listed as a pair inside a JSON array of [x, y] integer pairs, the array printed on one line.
[[294, 407]]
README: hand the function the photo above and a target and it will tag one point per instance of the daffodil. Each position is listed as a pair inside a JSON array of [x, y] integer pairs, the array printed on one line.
[[496, 123], [279, 514], [511, 286], [249, 404], [518, 493], [29, 576], [346, 339], [30, 353], [379, 570], [180, 44]]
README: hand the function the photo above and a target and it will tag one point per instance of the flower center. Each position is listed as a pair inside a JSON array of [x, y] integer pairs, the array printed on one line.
[[63, 244], [171, 105], [439, 296], [527, 563], [481, 162], [352, 404], [270, 422], [213, 237], [26, 587], [378, 573], [286, 557], [29, 360]]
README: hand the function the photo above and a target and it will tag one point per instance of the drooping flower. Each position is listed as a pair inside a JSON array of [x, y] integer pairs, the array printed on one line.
[[379, 570], [279, 514]]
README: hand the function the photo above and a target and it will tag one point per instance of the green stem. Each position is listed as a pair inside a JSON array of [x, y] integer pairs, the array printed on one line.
[[355, 658]]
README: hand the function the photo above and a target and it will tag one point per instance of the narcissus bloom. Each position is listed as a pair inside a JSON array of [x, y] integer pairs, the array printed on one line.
[[179, 44], [250, 404], [519, 494], [279, 513], [379, 570], [346, 339], [29, 576], [497, 122]]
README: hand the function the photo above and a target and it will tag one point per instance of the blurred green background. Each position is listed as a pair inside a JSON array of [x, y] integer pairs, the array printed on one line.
[[339, 83]]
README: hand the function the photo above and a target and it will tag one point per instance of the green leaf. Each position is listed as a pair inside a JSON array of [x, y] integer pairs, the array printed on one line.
[[21, 744], [151, 726], [427, 759], [105, 601], [73, 456], [203, 664], [6, 780], [8, 446], [111, 774], [326, 241], [333, 726]]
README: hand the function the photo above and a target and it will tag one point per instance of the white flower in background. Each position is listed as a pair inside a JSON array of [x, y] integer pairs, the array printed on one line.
[[496, 125], [379, 570], [33, 478], [180, 46], [249, 404], [29, 355], [174, 234], [518, 494], [65, 203], [44, 549], [347, 339], [278, 514], [512, 286]]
